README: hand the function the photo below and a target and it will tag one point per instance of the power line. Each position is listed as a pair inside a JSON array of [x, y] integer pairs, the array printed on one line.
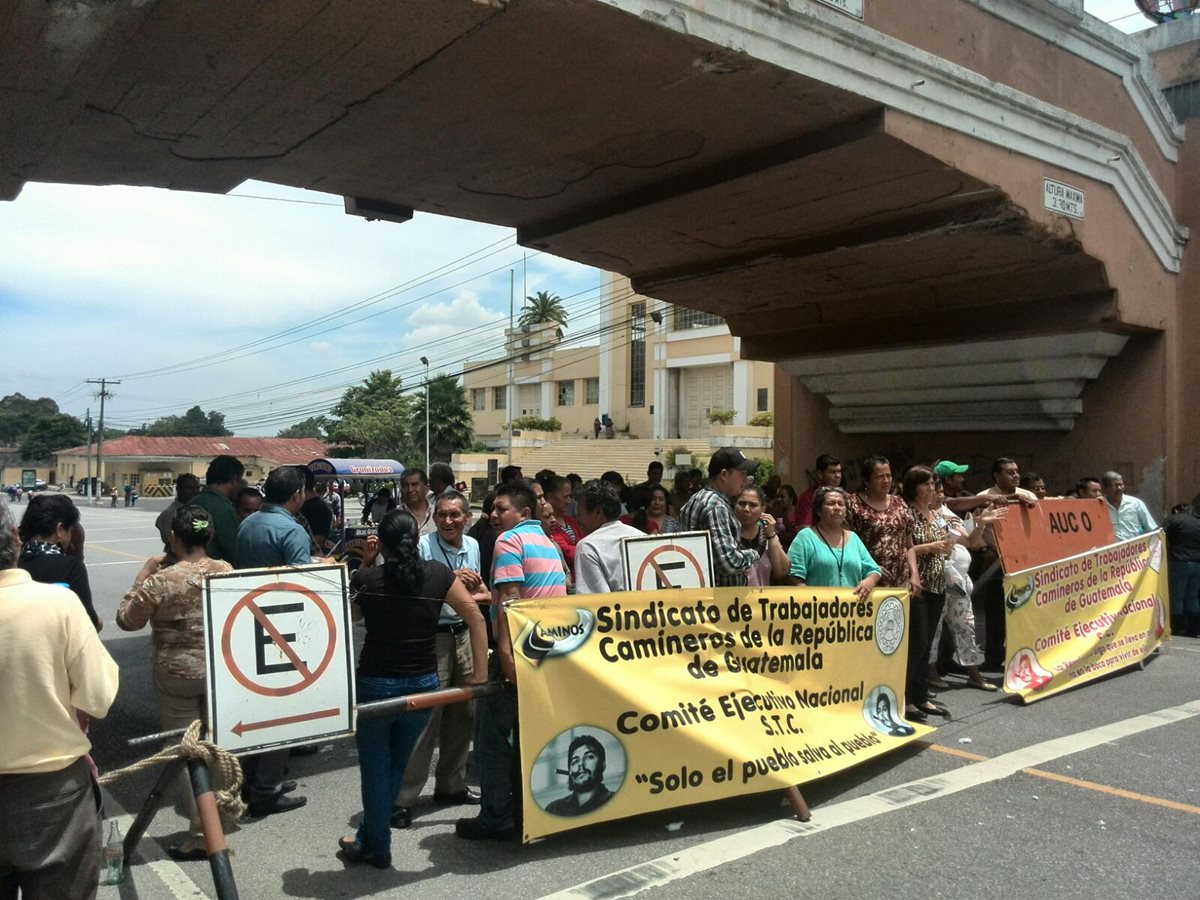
[[225, 355], [466, 337]]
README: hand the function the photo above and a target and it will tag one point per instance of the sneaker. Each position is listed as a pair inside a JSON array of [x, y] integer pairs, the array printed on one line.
[[472, 830]]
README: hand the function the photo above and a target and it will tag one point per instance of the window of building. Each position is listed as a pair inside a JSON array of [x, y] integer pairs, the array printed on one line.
[[500, 398], [566, 393], [762, 400], [592, 391], [637, 355], [684, 318], [1184, 99], [478, 398]]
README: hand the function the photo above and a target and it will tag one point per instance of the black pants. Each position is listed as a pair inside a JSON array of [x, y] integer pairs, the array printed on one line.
[[926, 612]]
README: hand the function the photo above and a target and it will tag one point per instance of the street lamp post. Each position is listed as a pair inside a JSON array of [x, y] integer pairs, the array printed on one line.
[[425, 363]]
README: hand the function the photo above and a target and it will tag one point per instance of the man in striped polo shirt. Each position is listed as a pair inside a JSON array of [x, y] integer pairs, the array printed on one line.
[[526, 563]]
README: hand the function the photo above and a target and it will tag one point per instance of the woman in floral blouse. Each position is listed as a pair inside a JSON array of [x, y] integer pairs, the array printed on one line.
[[932, 544], [171, 600]]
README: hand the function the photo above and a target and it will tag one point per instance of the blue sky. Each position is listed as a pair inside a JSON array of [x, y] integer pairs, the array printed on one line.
[[120, 282]]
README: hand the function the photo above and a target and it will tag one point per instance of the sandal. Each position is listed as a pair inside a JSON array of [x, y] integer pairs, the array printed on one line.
[[187, 853]]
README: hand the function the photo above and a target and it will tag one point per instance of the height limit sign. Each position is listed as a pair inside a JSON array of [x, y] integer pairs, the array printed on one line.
[[280, 657]]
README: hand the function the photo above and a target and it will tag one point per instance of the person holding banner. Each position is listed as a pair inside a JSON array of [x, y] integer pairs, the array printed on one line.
[[526, 564], [827, 553], [959, 614], [932, 545], [400, 603]]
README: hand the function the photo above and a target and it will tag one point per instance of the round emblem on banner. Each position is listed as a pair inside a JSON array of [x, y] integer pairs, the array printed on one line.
[[889, 625]]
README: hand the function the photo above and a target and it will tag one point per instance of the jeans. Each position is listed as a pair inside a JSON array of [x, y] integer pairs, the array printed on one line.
[[1184, 580], [449, 729], [384, 745], [496, 754]]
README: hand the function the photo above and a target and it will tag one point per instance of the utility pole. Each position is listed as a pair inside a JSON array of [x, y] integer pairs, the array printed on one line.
[[425, 362], [88, 488], [508, 389], [104, 394]]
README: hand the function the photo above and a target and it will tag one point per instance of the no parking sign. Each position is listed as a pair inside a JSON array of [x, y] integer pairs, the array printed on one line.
[[280, 658], [682, 560]]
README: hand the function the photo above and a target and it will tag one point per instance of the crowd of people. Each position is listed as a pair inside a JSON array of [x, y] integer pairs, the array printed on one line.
[[428, 591]]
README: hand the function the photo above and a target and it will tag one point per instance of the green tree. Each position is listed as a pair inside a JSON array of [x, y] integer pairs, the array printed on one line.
[[193, 423], [450, 424], [374, 417], [312, 427], [18, 414], [543, 307], [51, 433]]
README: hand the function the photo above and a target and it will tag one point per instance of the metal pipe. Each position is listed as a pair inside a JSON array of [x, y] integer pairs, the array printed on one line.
[[391, 706], [214, 834], [154, 800]]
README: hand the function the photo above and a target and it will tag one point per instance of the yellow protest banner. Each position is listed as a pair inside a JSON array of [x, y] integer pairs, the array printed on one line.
[[641, 701], [1072, 621]]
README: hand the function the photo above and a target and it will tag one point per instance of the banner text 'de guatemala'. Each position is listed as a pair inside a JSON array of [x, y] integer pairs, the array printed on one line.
[[642, 701], [1074, 620]]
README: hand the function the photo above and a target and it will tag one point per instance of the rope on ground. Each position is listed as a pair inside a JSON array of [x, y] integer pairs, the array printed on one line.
[[224, 766]]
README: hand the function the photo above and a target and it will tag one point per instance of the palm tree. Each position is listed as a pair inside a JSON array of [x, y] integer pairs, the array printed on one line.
[[543, 307], [450, 422]]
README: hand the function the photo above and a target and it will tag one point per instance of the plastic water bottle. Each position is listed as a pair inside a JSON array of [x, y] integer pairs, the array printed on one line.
[[113, 856]]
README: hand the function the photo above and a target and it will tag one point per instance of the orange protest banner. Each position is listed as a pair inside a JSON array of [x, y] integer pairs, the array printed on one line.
[[1052, 530]]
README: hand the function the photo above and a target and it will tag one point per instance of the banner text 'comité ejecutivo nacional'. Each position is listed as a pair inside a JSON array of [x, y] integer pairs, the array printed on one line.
[[1077, 619], [633, 702]]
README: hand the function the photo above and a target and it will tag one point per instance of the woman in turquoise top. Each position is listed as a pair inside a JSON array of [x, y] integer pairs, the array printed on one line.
[[828, 554]]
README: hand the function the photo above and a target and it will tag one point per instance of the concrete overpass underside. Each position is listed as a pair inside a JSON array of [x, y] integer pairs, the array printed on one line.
[[738, 156]]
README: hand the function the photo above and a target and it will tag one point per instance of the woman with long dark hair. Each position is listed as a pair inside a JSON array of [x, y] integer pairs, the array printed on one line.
[[399, 602], [750, 511], [171, 599], [48, 528]]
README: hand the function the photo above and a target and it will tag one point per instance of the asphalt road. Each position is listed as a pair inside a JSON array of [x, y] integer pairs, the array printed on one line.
[[1095, 792]]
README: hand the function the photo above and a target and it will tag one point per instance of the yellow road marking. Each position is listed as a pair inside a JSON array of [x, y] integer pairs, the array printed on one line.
[[1076, 782], [114, 552]]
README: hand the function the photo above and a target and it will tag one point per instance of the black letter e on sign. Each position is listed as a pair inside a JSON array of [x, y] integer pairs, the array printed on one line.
[[262, 639]]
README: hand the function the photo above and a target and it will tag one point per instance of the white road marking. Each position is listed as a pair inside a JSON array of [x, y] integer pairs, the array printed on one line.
[[169, 872], [711, 854]]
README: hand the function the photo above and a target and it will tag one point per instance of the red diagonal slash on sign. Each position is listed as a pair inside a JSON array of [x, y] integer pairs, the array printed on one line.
[[242, 727], [662, 576], [285, 646]]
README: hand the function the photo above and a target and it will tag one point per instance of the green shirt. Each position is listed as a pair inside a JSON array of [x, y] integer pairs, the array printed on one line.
[[818, 565], [223, 544]]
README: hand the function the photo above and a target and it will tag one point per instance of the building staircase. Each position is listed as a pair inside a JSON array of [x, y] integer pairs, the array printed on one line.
[[591, 458]]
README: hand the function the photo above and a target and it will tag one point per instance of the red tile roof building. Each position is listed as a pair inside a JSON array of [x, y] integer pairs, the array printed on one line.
[[152, 464]]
